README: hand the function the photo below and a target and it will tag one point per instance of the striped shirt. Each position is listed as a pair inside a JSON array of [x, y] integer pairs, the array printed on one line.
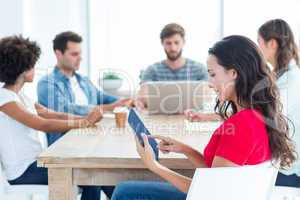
[[160, 71]]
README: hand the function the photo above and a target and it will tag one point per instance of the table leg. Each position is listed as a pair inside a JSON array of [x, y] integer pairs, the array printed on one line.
[[60, 181]]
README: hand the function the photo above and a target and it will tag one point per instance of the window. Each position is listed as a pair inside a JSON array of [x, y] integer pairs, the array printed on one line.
[[124, 35], [245, 17], [44, 19]]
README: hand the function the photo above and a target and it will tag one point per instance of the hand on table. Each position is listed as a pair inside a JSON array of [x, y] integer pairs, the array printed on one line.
[[194, 116]]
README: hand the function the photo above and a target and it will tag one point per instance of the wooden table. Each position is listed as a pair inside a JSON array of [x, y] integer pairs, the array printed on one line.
[[107, 155]]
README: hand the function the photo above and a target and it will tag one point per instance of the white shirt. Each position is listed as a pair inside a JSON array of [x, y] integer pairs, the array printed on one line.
[[19, 144], [80, 97], [289, 84]]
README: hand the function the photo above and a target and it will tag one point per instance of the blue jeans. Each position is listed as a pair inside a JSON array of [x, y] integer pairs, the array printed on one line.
[[39, 176], [288, 180], [146, 190]]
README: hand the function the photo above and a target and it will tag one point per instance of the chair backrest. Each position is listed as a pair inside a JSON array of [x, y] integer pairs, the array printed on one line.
[[3, 181], [283, 192], [234, 183]]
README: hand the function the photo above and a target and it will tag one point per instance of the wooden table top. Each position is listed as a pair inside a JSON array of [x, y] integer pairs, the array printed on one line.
[[106, 146]]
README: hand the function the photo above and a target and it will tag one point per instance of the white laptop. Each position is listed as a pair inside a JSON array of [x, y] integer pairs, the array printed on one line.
[[164, 97]]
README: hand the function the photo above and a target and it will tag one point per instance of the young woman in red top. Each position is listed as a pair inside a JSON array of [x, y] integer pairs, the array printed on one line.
[[255, 132]]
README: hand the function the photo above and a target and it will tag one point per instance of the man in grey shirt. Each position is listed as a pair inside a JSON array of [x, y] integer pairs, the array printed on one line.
[[174, 67]]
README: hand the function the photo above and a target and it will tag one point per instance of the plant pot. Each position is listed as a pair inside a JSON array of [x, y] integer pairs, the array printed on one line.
[[110, 84]]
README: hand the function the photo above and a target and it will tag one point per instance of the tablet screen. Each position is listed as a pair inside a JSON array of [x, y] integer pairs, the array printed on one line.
[[138, 127]]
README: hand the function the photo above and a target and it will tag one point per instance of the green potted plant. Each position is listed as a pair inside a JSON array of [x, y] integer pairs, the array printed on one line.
[[110, 81]]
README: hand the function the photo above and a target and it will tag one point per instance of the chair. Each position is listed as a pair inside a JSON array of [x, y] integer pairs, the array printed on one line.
[[20, 192], [233, 183], [286, 193]]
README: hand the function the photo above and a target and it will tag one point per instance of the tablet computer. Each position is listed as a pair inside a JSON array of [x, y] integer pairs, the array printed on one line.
[[139, 128]]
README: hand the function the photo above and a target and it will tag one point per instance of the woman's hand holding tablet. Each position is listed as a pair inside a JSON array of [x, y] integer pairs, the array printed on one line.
[[139, 129]]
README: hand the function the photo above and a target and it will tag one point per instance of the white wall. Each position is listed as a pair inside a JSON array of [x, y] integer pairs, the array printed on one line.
[[45, 19], [11, 17], [245, 17], [41, 20], [125, 34]]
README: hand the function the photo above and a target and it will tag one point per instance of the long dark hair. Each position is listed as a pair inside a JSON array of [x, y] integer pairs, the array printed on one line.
[[256, 89], [280, 31]]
